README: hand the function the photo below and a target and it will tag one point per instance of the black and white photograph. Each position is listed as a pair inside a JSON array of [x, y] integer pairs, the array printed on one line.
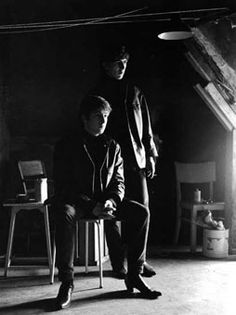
[[118, 157]]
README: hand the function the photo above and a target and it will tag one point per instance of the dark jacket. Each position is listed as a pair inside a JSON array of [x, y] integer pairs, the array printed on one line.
[[132, 129], [74, 171]]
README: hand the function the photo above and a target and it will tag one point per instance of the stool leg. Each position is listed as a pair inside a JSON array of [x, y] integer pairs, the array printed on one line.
[[10, 241], [86, 245], [100, 253], [48, 240], [53, 260]]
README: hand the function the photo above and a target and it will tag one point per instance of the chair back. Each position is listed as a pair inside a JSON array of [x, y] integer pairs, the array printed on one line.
[[34, 179], [195, 173]]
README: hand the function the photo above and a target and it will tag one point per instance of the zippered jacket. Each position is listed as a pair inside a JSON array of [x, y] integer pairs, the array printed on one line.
[[74, 172]]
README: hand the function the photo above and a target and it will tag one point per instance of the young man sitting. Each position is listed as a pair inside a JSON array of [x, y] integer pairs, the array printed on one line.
[[89, 182]]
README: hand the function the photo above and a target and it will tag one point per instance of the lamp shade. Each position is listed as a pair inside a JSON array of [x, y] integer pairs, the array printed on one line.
[[177, 30], [175, 35]]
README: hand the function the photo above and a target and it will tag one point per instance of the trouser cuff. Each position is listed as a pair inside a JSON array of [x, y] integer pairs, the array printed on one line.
[[135, 269], [66, 276]]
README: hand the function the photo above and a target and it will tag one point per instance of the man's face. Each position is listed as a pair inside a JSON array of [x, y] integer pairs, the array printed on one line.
[[116, 69], [96, 123]]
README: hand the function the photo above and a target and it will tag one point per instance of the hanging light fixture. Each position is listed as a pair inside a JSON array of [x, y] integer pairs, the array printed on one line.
[[177, 30]]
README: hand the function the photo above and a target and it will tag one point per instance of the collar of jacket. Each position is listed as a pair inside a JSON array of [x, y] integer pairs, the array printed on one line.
[[102, 139]]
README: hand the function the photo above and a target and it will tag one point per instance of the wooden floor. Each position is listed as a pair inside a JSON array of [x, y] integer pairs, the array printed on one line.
[[190, 284]]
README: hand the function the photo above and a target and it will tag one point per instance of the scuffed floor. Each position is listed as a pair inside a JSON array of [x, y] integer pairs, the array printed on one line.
[[189, 285]]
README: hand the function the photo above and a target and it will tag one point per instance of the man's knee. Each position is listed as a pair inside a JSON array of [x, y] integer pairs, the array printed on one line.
[[111, 226], [66, 213], [144, 212], [138, 210]]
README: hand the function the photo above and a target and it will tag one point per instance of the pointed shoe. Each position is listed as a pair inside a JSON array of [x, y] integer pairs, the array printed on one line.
[[148, 271], [136, 282], [63, 299]]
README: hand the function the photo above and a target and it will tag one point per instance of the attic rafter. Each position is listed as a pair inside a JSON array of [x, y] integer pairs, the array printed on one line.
[[126, 17]]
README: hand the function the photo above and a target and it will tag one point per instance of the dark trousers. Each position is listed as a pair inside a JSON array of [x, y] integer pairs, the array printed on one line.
[[136, 186], [136, 190], [135, 218]]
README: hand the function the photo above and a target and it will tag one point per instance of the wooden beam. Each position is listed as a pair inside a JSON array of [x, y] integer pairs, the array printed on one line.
[[217, 94], [227, 75], [222, 113], [202, 68]]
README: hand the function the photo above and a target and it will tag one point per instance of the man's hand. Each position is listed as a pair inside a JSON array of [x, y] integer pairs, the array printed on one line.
[[104, 210], [108, 209], [108, 204], [150, 166], [97, 210]]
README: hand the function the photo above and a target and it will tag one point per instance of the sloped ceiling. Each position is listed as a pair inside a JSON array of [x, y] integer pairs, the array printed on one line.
[[212, 52]]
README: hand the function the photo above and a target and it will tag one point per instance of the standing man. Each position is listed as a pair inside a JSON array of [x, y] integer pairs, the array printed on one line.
[[89, 183], [130, 126]]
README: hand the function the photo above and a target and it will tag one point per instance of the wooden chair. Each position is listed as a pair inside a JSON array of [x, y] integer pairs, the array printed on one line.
[[35, 187], [194, 174]]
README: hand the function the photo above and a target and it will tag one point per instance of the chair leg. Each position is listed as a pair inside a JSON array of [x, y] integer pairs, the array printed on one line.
[[48, 241], [10, 241], [100, 253], [178, 222], [86, 245], [193, 232], [177, 230]]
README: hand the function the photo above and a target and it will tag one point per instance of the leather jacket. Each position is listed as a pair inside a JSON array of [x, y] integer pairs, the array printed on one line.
[[137, 141], [74, 172], [139, 125]]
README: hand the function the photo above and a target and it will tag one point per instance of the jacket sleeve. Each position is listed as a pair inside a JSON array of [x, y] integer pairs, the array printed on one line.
[[148, 141], [116, 188]]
